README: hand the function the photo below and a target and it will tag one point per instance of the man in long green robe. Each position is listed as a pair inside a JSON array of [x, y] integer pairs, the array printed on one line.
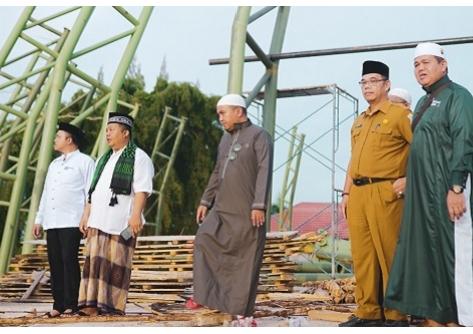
[[422, 281]]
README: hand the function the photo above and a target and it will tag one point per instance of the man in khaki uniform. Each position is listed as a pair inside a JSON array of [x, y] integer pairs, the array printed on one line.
[[373, 194]]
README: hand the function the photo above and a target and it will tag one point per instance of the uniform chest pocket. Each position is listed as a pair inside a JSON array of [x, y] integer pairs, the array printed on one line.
[[383, 136], [355, 134]]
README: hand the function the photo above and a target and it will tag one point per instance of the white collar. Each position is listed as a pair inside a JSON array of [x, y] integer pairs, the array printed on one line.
[[67, 156], [115, 153]]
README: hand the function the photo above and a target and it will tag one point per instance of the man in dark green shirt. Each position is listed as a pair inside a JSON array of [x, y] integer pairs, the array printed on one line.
[[422, 281]]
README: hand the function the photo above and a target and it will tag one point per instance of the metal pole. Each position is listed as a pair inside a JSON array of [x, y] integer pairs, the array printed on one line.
[[237, 50], [51, 17], [283, 212], [19, 184], [51, 118], [333, 171], [260, 13], [251, 96], [346, 50], [120, 74], [177, 142], [295, 176], [7, 144], [269, 108], [15, 33], [155, 150]]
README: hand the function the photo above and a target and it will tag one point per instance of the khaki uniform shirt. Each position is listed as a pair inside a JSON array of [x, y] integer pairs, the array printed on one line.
[[380, 142]]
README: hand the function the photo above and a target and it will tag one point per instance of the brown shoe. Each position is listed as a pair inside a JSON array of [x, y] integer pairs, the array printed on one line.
[[88, 312], [430, 323]]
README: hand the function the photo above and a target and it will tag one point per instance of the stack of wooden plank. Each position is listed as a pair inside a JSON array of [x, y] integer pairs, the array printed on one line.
[[162, 267], [341, 291]]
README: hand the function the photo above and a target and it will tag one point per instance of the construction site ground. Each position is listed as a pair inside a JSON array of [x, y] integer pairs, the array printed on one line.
[[32, 315], [162, 280]]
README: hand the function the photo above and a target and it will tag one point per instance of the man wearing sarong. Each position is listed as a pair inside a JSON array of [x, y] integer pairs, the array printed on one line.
[[372, 197], [62, 204], [121, 183], [426, 267], [230, 241]]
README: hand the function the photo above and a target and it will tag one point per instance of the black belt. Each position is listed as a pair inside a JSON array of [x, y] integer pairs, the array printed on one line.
[[367, 180]]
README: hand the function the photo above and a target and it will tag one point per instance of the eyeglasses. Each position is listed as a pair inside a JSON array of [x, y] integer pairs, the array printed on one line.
[[234, 152], [372, 82]]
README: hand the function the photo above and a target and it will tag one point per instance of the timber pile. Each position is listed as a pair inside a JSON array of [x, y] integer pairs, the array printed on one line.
[[162, 268], [340, 291]]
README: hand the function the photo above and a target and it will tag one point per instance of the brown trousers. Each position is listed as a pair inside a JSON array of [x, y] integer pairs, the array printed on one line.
[[374, 217]]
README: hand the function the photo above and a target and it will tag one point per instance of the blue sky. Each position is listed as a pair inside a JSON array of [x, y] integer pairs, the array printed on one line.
[[189, 36]]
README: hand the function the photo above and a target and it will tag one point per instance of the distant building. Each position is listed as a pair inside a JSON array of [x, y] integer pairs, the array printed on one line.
[[312, 217]]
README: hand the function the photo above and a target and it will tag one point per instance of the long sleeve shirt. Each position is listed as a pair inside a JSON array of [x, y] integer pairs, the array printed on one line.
[[65, 191], [241, 179]]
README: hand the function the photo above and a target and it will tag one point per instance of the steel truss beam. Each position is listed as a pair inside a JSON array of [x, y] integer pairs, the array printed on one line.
[[35, 118]]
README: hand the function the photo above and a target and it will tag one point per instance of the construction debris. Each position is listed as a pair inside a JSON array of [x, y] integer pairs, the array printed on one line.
[[328, 315], [162, 268], [162, 278], [340, 290]]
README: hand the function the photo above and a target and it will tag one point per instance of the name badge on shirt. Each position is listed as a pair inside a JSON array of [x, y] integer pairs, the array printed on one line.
[[435, 103]]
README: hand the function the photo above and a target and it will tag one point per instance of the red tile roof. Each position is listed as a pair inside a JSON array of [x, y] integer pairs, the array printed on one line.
[[312, 217]]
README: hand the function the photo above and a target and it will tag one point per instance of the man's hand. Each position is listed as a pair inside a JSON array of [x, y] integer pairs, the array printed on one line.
[[344, 206], [135, 224], [257, 217], [37, 231], [456, 205], [84, 220], [83, 226], [201, 213], [399, 186]]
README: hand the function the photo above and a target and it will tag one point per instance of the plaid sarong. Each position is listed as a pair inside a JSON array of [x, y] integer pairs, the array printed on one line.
[[107, 271]]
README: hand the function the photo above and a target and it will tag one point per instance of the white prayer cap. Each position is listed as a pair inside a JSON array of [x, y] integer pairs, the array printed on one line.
[[429, 49], [232, 100], [402, 93]]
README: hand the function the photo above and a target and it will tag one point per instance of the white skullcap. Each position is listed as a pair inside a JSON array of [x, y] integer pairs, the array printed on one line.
[[402, 93], [429, 49], [232, 100]]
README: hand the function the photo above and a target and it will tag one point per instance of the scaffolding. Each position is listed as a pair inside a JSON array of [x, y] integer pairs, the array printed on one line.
[[288, 190], [311, 151], [241, 37], [163, 156], [35, 106]]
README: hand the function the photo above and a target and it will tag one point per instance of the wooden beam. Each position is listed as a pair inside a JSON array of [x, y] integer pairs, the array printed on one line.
[[37, 276]]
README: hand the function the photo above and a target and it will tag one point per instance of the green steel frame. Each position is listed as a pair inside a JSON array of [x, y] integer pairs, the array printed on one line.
[[170, 130], [34, 106], [241, 37], [286, 199]]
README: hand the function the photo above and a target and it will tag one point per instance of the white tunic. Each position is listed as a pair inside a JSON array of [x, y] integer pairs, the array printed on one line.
[[114, 219], [65, 191]]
